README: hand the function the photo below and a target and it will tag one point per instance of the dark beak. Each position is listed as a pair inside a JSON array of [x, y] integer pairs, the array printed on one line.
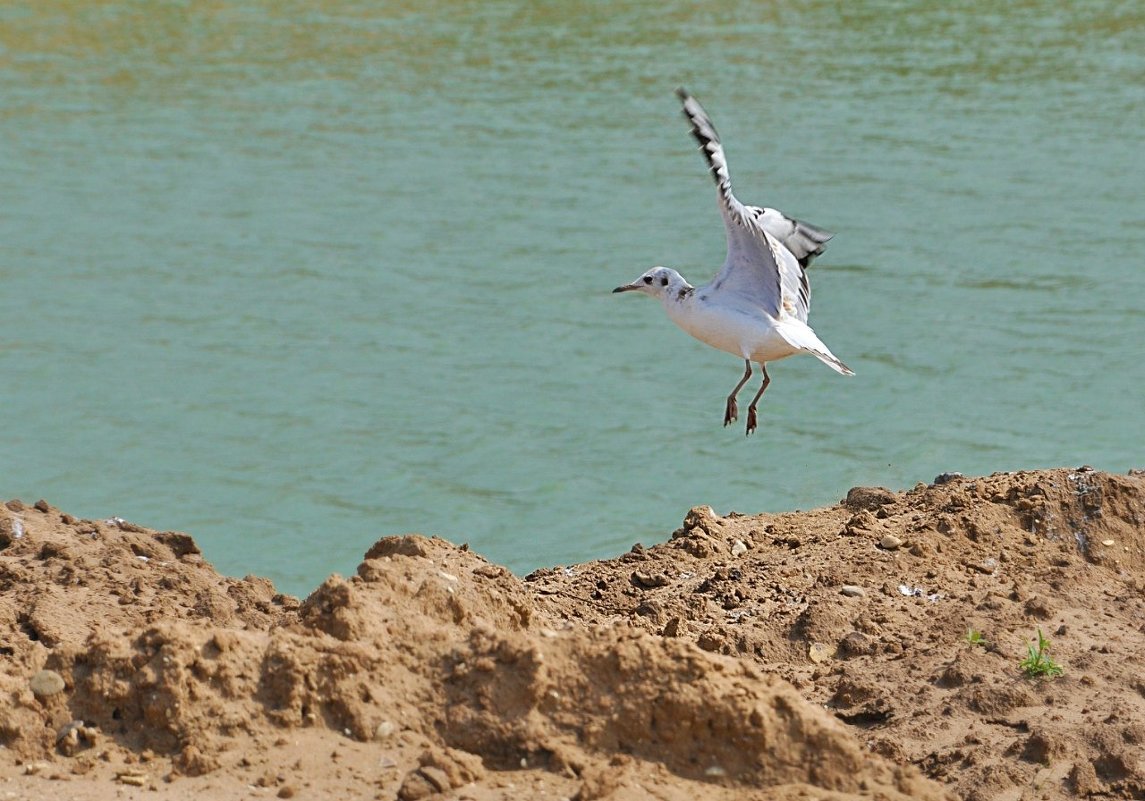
[[625, 288]]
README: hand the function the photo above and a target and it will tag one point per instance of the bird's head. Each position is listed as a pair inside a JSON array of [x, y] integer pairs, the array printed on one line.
[[656, 282]]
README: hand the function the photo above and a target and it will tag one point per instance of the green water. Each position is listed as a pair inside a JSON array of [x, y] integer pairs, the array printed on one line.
[[292, 276]]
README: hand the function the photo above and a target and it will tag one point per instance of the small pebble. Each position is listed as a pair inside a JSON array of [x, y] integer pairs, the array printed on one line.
[[853, 591], [75, 736], [1107, 543], [46, 683], [869, 498], [856, 644], [890, 542], [649, 580], [132, 778], [739, 548], [818, 653]]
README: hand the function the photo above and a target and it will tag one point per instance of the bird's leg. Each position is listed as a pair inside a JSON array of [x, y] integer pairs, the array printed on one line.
[[755, 400], [731, 411]]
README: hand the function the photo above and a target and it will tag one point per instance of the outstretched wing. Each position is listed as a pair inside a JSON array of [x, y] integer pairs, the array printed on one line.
[[759, 267]]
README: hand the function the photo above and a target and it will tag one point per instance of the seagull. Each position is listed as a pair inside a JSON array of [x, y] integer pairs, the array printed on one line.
[[756, 306]]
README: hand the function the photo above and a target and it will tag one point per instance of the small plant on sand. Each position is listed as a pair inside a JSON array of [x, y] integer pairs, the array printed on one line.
[[974, 637], [1038, 661]]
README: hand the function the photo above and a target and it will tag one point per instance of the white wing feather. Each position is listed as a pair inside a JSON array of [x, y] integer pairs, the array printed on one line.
[[759, 266]]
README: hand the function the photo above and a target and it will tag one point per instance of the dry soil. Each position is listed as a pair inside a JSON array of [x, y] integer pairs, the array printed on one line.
[[867, 650]]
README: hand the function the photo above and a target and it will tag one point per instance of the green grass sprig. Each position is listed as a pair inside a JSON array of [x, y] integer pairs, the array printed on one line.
[[1038, 662]]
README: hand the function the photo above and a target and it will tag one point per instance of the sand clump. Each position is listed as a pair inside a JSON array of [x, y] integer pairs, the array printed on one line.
[[808, 655]]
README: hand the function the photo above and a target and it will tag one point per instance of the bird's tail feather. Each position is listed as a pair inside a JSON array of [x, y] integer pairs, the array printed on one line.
[[799, 335], [831, 360]]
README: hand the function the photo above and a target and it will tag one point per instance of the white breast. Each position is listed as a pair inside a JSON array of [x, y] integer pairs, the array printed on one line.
[[748, 333]]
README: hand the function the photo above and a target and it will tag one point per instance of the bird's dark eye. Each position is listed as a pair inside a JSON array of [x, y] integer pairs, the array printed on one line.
[[663, 282], [647, 279]]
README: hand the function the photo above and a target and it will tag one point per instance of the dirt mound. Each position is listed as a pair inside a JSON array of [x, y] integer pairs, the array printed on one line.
[[865, 608], [819, 654]]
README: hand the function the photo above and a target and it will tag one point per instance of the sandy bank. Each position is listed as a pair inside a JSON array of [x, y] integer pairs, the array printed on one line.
[[819, 654]]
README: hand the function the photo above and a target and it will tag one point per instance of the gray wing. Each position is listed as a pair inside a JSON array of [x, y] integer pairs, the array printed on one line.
[[759, 268]]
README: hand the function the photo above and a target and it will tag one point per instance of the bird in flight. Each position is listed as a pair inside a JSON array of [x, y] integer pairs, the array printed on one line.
[[756, 307]]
